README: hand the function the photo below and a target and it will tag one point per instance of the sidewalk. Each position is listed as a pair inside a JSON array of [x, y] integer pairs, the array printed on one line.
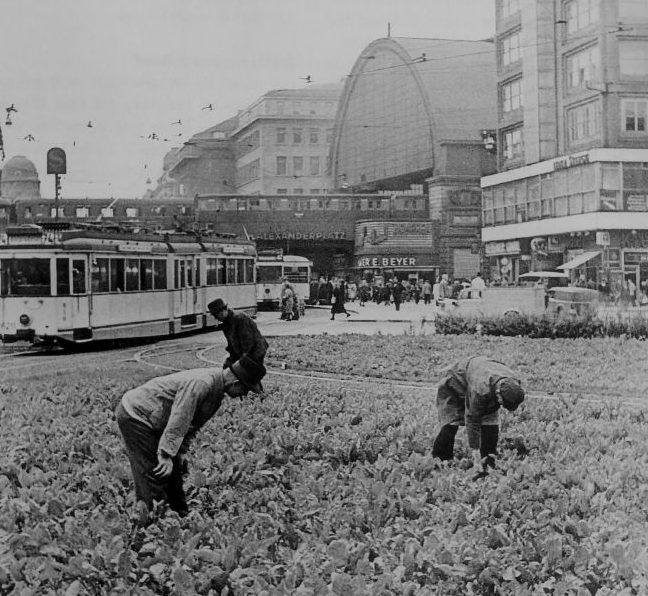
[[372, 312]]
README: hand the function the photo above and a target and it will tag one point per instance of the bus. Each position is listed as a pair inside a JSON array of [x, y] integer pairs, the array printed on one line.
[[80, 286], [273, 268]]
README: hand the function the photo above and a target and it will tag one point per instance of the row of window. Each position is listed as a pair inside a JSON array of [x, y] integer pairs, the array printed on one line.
[[324, 203], [298, 169], [82, 212], [588, 188], [298, 135], [31, 277]]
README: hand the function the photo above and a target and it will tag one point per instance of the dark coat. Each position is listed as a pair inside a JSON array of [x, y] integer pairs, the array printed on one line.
[[338, 304], [243, 338], [467, 393]]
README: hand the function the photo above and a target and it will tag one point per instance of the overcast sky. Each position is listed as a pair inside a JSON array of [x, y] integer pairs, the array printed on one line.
[[133, 67]]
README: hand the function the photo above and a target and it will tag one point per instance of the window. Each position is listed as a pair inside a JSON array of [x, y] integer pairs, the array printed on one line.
[[297, 135], [181, 190], [82, 212], [513, 147], [100, 276], [582, 67], [106, 212], [329, 135], [633, 58], [298, 191], [53, 212], [633, 9], [281, 165], [313, 136], [146, 274], [132, 275], [132, 212], [25, 277], [510, 7], [314, 166], [314, 191], [78, 276], [583, 122], [282, 191], [511, 96], [581, 13], [116, 275], [634, 115], [298, 165], [231, 271], [249, 270], [62, 277], [159, 274], [510, 48], [281, 136]]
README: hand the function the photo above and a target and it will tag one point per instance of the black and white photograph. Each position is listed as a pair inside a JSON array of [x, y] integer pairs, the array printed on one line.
[[324, 298]]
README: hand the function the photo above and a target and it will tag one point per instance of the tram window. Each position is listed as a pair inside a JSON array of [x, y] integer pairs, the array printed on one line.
[[28, 277], [220, 267], [159, 274], [297, 274], [190, 272], [146, 274], [78, 276], [197, 280], [132, 275], [62, 277], [249, 271], [231, 271], [100, 277], [180, 274], [116, 275], [268, 273], [240, 271], [212, 271]]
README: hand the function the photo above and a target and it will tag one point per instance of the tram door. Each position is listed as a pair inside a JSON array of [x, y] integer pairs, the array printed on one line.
[[186, 276], [72, 293]]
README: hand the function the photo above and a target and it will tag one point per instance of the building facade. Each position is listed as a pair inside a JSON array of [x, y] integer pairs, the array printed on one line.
[[411, 113], [282, 142], [572, 142]]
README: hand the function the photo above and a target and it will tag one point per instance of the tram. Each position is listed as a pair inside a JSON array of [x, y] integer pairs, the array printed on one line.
[[74, 287], [273, 267]]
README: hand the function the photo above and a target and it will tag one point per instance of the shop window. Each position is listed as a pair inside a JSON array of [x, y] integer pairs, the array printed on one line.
[[583, 122], [510, 49], [582, 67], [580, 14], [511, 96], [633, 58], [634, 115]]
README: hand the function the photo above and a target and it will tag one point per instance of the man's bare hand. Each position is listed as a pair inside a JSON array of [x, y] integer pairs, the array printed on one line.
[[164, 467]]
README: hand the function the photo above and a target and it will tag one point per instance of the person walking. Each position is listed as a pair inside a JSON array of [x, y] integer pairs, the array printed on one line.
[[397, 292], [287, 301], [158, 420], [426, 290], [470, 394], [241, 332], [338, 300], [478, 284]]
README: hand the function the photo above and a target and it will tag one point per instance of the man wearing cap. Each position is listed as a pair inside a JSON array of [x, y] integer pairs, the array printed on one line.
[[158, 420], [471, 393], [241, 332]]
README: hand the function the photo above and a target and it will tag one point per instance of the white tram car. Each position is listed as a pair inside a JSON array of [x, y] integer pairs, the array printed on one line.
[[273, 267], [81, 286]]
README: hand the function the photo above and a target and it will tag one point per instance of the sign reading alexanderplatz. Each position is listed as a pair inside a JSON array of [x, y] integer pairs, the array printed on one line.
[[299, 236]]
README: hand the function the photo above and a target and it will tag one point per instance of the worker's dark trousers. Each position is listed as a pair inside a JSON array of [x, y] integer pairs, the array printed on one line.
[[443, 447], [141, 447]]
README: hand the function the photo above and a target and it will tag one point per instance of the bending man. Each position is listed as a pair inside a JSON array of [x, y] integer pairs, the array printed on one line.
[[471, 393], [158, 420]]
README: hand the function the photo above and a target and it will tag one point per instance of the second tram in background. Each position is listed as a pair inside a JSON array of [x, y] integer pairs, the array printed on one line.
[[273, 267]]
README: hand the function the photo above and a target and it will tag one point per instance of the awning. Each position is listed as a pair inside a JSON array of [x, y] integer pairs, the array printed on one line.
[[579, 260]]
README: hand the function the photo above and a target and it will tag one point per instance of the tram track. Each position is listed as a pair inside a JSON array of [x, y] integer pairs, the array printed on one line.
[[362, 383]]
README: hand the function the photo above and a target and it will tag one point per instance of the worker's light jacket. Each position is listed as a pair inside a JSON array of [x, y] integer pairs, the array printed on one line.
[[176, 405], [471, 382]]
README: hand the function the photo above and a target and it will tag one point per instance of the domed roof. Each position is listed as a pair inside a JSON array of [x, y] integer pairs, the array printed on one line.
[[19, 169]]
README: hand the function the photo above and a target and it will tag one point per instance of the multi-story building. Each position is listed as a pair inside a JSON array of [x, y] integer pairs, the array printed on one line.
[[572, 141], [282, 141]]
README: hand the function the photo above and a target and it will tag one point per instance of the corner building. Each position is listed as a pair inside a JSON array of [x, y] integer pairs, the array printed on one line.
[[410, 116], [572, 141]]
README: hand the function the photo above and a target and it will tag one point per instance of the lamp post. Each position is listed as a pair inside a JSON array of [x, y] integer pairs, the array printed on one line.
[[57, 165]]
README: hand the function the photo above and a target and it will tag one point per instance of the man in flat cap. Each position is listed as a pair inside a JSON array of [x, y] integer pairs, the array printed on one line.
[[470, 394], [159, 419], [241, 332]]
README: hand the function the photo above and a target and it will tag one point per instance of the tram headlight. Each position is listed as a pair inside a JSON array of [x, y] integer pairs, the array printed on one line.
[[24, 320], [267, 290]]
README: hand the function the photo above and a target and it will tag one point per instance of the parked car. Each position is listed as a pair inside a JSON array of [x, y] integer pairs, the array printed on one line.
[[572, 301]]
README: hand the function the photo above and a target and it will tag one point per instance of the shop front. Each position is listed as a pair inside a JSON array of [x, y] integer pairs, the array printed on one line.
[[377, 267], [504, 262]]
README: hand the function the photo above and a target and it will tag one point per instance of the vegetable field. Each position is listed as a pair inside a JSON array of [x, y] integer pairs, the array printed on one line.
[[329, 488]]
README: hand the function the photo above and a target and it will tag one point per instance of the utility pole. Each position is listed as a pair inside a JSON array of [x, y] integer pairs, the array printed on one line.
[[57, 165]]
